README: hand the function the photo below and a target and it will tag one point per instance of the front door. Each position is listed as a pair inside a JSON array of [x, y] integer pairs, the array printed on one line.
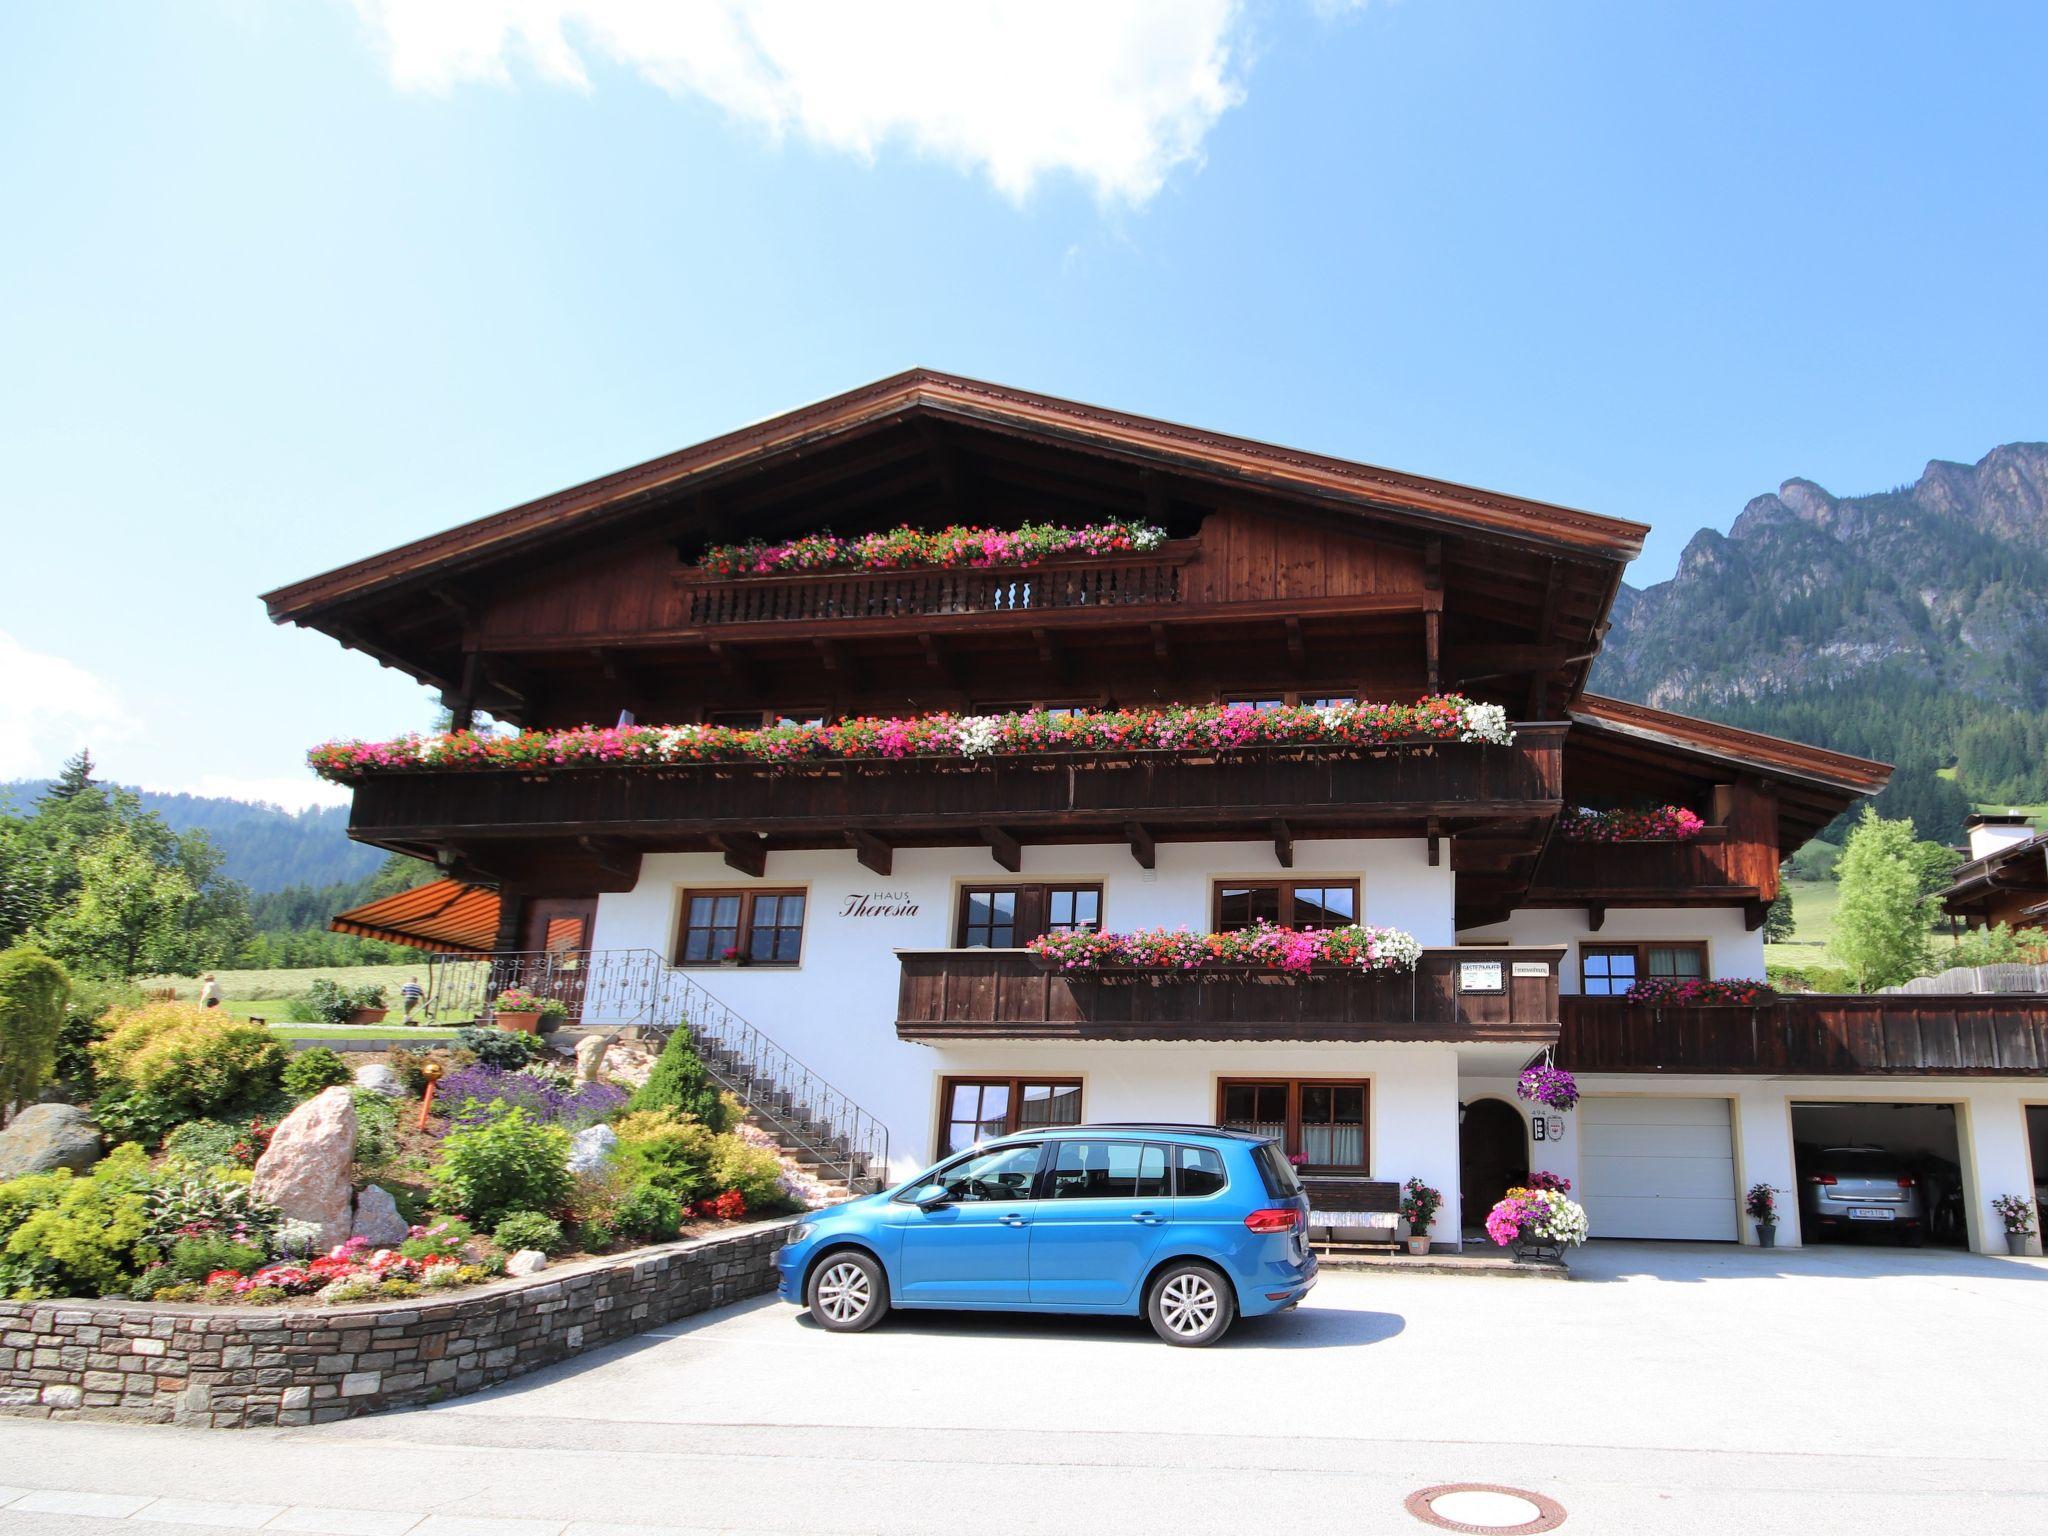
[[975, 1249], [1493, 1155], [1105, 1208]]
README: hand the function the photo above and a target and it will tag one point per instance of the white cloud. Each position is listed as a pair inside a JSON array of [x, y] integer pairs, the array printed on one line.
[[1114, 92], [293, 793], [49, 708]]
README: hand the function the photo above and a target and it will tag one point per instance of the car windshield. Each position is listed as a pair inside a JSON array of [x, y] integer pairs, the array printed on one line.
[[997, 1173], [1276, 1171]]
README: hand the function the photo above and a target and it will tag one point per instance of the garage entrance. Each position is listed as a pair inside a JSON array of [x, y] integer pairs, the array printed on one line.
[[1657, 1167], [1887, 1173]]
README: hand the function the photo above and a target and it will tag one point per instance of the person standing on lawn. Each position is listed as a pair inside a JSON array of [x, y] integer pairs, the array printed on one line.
[[209, 991], [413, 994]]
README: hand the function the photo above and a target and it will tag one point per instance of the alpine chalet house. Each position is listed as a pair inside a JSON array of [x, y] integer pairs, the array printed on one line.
[[954, 760]]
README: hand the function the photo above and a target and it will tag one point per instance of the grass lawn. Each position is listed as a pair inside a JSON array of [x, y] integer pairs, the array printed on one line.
[[1813, 925], [357, 1031], [267, 994]]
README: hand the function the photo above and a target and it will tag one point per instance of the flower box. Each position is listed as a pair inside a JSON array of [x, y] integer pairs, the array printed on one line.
[[369, 1015], [905, 548], [1257, 952], [1665, 824], [1705, 992]]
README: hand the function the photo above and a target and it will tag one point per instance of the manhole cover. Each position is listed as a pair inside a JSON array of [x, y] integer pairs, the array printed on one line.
[[1485, 1508]]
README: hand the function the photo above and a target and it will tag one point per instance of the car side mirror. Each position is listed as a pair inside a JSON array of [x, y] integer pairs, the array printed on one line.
[[931, 1197]]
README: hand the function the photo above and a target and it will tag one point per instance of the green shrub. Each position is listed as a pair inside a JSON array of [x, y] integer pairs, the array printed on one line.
[[33, 988], [194, 1258], [85, 1015], [327, 1001], [206, 1143], [215, 1200], [314, 1069], [647, 1214], [508, 1164], [165, 1063], [528, 1229], [443, 1237], [681, 1082], [669, 1150], [81, 1236], [753, 1171], [376, 1129], [507, 1050]]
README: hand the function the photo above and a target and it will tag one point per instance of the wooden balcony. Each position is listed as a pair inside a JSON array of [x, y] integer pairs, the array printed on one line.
[[1892, 1034], [746, 809], [1007, 994], [1096, 583]]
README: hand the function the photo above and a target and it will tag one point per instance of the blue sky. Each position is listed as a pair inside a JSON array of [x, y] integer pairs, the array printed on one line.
[[286, 284]]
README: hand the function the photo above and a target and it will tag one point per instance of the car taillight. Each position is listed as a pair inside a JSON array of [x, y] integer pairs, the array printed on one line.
[[1274, 1218], [1823, 1178], [1907, 1181]]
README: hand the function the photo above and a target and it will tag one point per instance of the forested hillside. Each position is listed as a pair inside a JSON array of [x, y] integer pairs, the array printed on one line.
[[1910, 625], [264, 847]]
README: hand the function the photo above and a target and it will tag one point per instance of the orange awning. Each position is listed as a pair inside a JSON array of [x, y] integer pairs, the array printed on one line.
[[445, 916]]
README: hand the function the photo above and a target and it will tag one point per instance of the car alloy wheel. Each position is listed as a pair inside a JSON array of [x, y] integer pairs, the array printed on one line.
[[846, 1293], [1190, 1306]]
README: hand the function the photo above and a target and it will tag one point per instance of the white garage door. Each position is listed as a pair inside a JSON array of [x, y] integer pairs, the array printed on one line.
[[1657, 1168]]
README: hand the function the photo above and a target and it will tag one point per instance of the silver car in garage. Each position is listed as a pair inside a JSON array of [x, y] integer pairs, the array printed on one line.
[[1845, 1189]]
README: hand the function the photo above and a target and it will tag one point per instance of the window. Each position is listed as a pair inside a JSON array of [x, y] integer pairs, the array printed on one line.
[[1609, 970], [1006, 1173], [1324, 1123], [1290, 903], [1010, 916], [976, 1109], [759, 927], [755, 719], [1278, 697], [1107, 1170], [1198, 1171]]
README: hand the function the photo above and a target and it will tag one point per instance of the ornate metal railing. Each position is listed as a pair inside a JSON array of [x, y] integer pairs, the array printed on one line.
[[635, 989]]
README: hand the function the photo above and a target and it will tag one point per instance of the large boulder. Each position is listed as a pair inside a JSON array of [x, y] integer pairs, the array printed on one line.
[[377, 1220], [381, 1080], [47, 1136], [527, 1261], [592, 1148], [305, 1171]]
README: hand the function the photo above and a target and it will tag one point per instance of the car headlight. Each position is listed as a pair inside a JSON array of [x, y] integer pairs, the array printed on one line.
[[799, 1234]]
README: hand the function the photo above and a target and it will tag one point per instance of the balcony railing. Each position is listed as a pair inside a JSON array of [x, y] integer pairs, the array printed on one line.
[[1876, 1035], [1711, 864], [1007, 994], [1065, 584]]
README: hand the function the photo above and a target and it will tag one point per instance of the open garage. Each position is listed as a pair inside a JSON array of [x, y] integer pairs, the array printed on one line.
[[1879, 1172]]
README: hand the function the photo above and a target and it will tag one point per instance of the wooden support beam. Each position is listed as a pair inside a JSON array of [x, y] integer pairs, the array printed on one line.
[[1432, 639], [734, 664], [612, 856], [1283, 844], [1539, 683], [828, 653], [1753, 915], [939, 663], [872, 851], [1596, 915], [745, 852], [1436, 832], [1008, 852], [1142, 847], [1433, 564], [1297, 648], [1157, 493], [1162, 649], [1051, 654]]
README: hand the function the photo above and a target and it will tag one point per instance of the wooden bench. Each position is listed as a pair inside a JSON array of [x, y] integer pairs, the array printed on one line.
[[1353, 1210]]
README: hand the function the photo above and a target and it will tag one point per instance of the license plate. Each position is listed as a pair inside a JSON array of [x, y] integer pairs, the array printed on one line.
[[1866, 1213]]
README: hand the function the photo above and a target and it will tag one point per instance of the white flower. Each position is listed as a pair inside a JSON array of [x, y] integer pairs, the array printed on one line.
[[1487, 722], [977, 735]]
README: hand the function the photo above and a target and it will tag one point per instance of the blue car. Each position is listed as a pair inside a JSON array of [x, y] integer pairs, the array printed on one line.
[[1190, 1225]]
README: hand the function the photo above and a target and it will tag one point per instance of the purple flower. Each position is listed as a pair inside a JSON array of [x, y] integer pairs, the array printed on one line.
[[479, 1093]]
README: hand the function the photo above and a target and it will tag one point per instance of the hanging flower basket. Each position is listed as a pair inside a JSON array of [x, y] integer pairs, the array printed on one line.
[[1550, 1086]]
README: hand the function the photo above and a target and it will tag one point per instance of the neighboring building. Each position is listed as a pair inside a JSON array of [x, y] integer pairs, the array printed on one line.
[[2005, 878], [878, 907]]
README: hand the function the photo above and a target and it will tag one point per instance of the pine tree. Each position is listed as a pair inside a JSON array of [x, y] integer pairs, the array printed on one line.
[[76, 777]]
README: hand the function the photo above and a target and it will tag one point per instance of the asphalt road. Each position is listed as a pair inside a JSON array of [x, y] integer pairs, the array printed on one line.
[[1671, 1388]]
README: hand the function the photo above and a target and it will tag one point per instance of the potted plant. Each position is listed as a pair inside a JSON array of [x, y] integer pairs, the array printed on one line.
[[368, 1006], [519, 1010], [2017, 1212], [329, 1002], [1537, 1224], [730, 955], [552, 1012], [1762, 1204], [1419, 1205]]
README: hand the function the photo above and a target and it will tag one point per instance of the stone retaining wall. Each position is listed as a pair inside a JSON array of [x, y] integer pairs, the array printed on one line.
[[234, 1367]]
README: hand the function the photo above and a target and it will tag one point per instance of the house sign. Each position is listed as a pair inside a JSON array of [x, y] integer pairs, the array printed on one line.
[[879, 904]]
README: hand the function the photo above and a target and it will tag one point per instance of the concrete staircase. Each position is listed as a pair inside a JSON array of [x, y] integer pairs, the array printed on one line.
[[802, 1138]]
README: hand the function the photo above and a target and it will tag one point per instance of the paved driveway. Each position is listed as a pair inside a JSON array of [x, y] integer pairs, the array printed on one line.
[[1670, 1388]]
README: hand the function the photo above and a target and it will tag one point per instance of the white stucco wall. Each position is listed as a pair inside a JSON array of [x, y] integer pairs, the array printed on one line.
[[1731, 951], [836, 1010]]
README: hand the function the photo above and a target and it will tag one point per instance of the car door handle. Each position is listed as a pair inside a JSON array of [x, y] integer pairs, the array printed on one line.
[[1012, 1219], [1147, 1218]]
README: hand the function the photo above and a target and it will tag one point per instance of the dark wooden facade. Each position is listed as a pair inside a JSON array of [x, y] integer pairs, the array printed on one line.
[[999, 994], [1886, 1035]]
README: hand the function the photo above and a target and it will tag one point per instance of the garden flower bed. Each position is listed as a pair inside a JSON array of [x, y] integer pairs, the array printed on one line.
[[244, 1175], [1264, 947], [1190, 728], [907, 548]]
